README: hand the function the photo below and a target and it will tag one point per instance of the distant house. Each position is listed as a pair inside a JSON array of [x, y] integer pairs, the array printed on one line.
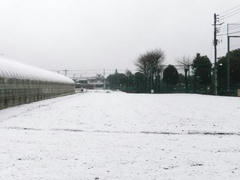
[[96, 82]]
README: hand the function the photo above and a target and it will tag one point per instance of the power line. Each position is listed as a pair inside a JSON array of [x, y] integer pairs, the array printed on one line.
[[224, 28], [230, 14], [228, 30], [236, 10], [229, 33], [234, 32], [231, 9], [234, 28]]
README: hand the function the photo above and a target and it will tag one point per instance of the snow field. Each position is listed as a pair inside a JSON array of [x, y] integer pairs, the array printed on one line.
[[118, 136]]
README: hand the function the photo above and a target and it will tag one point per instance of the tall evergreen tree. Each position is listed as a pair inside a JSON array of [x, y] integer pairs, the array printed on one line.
[[234, 57], [202, 67], [170, 75]]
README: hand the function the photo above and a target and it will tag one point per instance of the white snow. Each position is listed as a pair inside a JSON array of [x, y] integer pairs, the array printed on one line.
[[16, 70], [119, 136]]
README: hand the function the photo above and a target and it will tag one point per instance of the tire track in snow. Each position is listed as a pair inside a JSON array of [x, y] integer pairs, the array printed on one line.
[[205, 133]]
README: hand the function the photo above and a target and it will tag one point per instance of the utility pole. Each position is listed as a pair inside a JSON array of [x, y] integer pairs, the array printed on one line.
[[215, 54]]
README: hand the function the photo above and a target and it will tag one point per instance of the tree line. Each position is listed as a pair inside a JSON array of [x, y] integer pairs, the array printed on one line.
[[189, 75]]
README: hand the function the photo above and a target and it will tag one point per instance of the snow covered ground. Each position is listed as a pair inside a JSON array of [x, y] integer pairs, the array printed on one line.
[[119, 136]]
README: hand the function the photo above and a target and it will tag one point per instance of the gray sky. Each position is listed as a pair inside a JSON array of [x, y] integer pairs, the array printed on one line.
[[95, 34]]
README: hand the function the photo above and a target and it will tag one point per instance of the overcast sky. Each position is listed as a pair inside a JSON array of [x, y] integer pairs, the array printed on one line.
[[96, 34]]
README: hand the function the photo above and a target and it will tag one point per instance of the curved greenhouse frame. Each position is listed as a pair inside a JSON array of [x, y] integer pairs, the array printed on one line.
[[20, 84]]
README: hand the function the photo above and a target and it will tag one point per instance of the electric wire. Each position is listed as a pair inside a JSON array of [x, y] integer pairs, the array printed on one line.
[[224, 30], [231, 9], [229, 15], [236, 32], [236, 10]]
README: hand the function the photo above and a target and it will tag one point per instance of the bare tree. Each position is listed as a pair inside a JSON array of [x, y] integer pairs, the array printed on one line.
[[186, 63], [151, 60], [150, 65]]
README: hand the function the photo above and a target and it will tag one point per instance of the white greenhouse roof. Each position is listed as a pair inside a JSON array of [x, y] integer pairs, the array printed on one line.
[[16, 70]]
